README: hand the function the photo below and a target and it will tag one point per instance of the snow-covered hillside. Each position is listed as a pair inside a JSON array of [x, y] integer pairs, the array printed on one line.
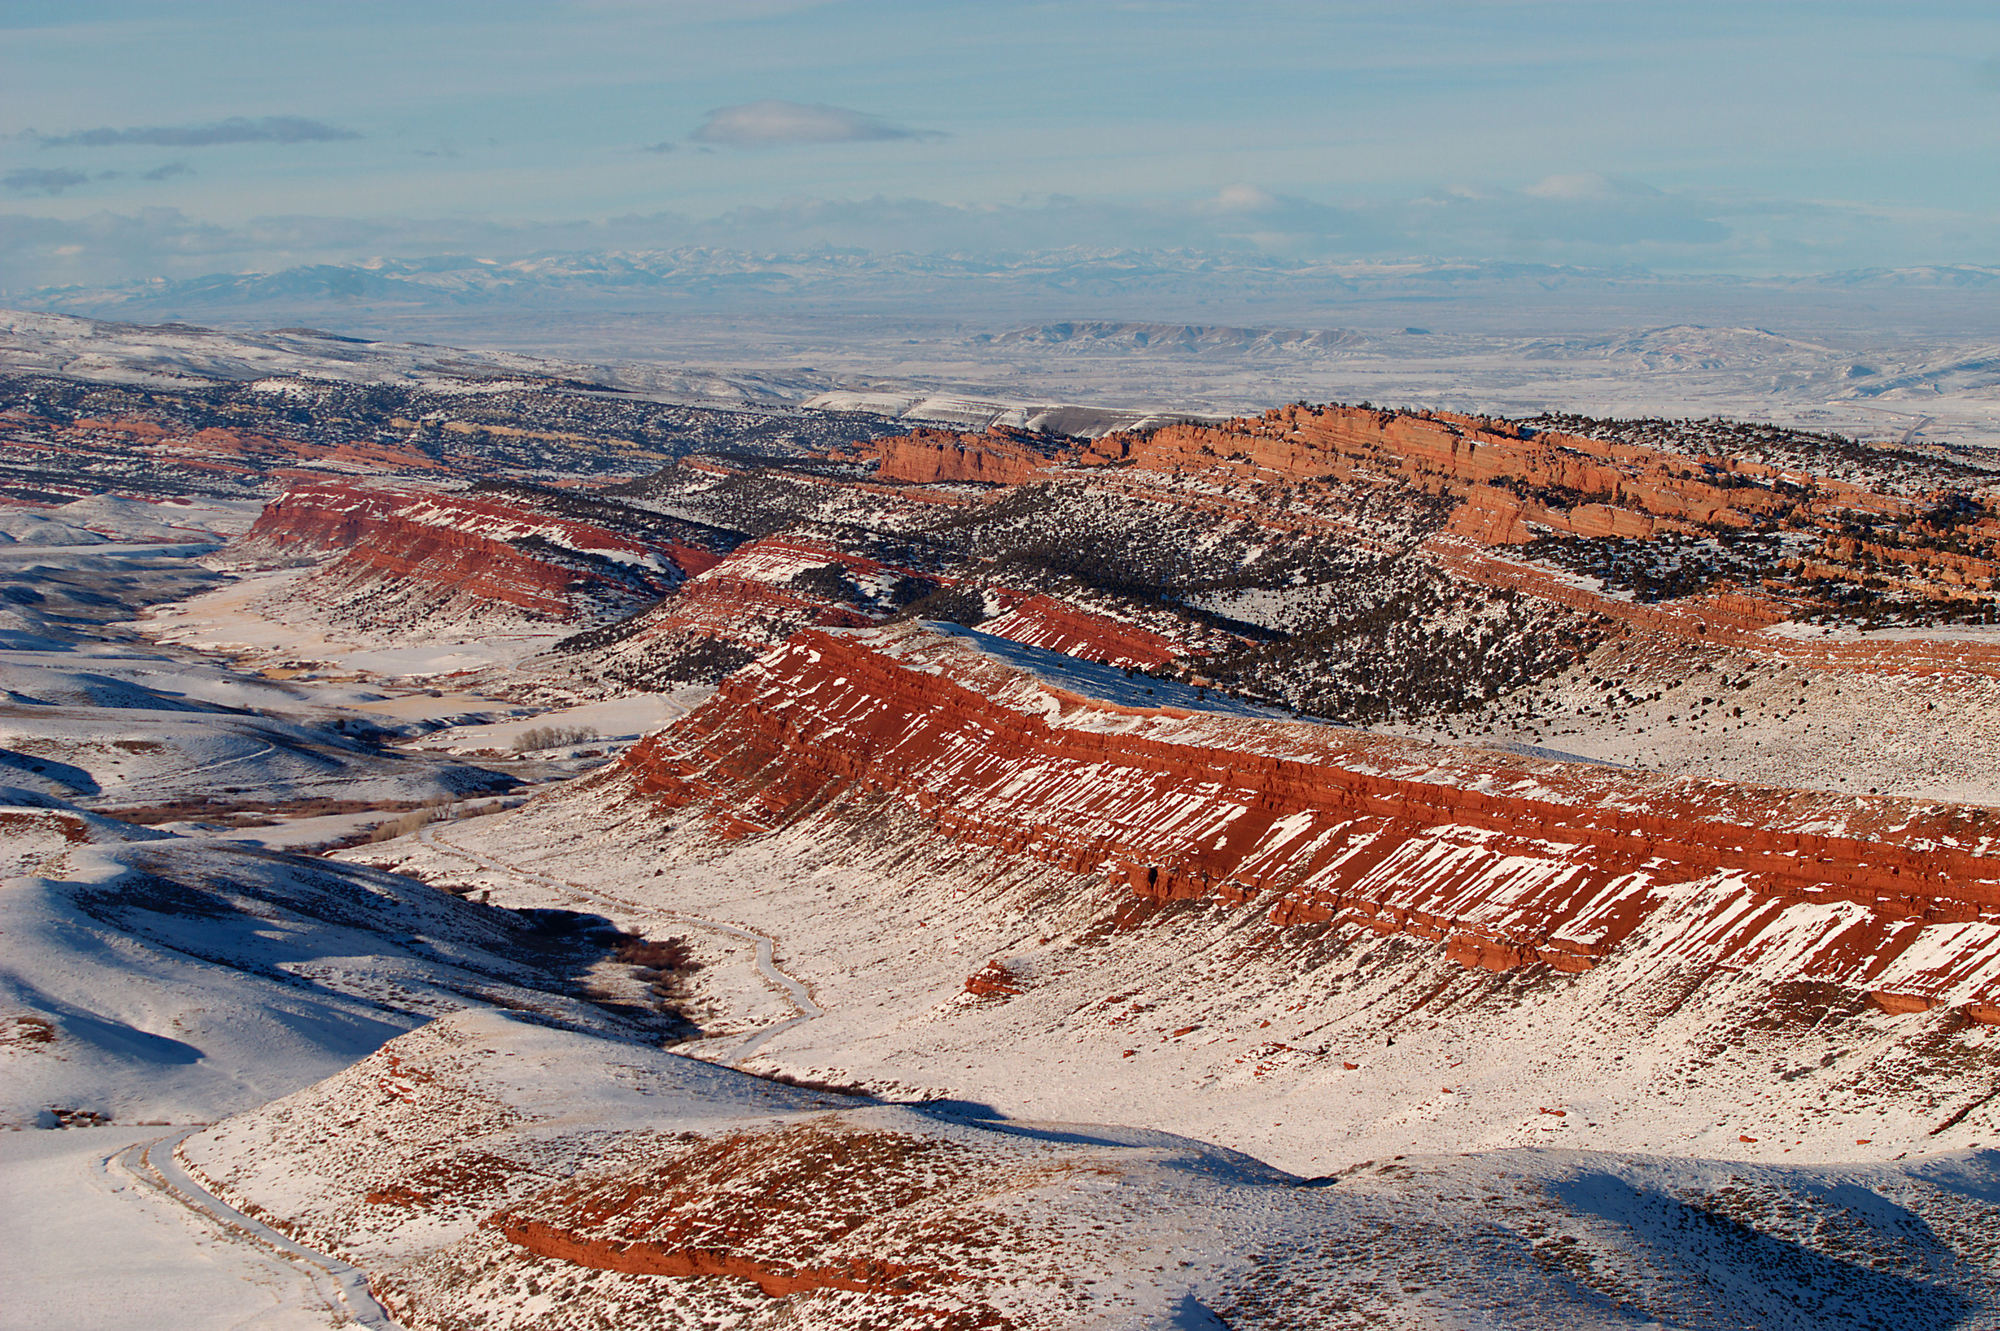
[[151, 977], [1006, 876], [512, 1176], [1332, 866]]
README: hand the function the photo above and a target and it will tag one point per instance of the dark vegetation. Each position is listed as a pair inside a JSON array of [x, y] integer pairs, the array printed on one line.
[[689, 661], [1890, 469], [827, 582], [1667, 567], [1425, 649], [483, 434], [663, 964]]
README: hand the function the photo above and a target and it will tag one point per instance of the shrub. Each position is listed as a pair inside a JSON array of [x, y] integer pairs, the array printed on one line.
[[538, 738]]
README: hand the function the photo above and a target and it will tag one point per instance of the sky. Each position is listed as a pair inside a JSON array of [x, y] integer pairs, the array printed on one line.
[[147, 140]]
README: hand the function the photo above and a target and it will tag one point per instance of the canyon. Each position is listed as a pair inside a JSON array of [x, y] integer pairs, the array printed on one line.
[[569, 857]]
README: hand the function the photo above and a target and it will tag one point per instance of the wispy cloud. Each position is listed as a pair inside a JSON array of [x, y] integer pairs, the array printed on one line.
[[236, 129], [663, 146], [54, 180], [34, 181], [774, 123]]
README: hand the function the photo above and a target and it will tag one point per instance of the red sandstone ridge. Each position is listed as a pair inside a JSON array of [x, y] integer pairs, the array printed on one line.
[[1626, 490], [801, 1209], [1507, 860], [930, 457], [1504, 485], [747, 602], [469, 550], [1058, 626]]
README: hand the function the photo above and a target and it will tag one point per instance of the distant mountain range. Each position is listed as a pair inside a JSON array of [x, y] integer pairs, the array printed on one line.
[[717, 277]]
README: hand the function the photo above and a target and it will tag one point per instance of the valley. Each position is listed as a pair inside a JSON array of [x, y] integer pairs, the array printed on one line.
[[578, 858]]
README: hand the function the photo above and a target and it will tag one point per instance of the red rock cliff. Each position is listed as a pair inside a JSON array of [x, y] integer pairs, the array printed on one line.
[[473, 548], [930, 457], [1508, 860]]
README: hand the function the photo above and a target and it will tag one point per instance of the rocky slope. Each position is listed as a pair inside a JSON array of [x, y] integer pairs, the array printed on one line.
[[489, 1174], [1013, 876], [1508, 860], [740, 605], [401, 556], [177, 411]]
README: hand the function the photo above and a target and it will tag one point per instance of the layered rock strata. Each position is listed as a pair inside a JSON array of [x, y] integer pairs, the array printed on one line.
[[466, 548], [1509, 861]]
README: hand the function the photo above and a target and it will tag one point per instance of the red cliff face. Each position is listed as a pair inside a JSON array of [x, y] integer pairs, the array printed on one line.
[[1508, 486], [1057, 626], [1626, 490], [930, 457], [1507, 860], [470, 550]]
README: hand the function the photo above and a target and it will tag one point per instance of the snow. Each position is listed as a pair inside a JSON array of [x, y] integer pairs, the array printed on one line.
[[613, 721], [123, 726], [1068, 1223], [1932, 735], [977, 413], [181, 978], [85, 1247], [104, 518], [885, 944], [251, 620]]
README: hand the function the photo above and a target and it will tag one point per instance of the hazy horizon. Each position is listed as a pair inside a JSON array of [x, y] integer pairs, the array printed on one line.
[[1780, 139]]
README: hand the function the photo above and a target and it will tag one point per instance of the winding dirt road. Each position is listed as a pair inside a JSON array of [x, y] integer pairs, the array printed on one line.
[[343, 1286]]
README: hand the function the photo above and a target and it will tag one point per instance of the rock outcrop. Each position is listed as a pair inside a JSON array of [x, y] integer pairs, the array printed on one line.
[[469, 551], [1558, 481], [743, 604], [1055, 625], [1506, 860], [930, 457]]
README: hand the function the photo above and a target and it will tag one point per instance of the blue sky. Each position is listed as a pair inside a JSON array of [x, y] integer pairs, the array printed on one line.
[[1747, 137]]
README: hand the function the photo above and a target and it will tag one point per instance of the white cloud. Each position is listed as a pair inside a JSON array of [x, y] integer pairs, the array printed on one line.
[[1590, 185], [773, 122], [236, 129], [1243, 199]]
